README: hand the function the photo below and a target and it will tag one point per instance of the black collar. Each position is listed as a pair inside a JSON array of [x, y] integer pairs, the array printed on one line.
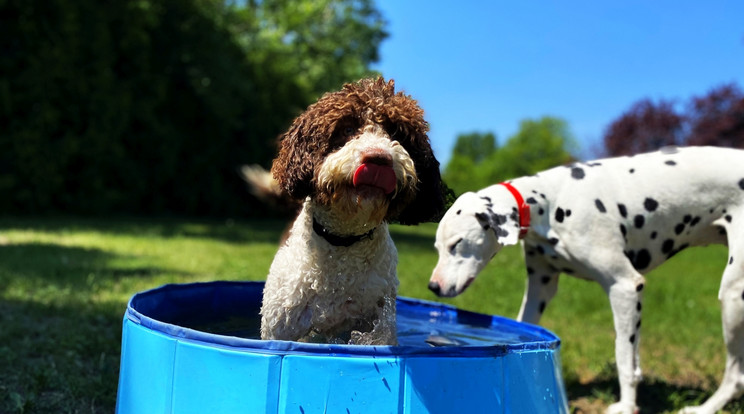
[[335, 239]]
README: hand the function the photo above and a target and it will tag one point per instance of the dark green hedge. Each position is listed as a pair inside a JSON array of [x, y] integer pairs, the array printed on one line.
[[146, 107]]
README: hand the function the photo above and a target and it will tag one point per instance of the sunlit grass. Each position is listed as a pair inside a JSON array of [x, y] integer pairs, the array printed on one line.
[[64, 284]]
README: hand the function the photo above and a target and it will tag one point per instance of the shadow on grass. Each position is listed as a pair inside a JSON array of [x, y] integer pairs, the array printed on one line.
[[59, 268], [59, 358], [232, 231], [655, 395], [412, 240]]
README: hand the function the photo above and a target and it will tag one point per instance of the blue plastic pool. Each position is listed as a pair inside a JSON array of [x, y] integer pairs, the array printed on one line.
[[193, 349]]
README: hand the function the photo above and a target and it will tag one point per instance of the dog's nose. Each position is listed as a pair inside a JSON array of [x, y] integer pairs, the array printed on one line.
[[377, 156], [434, 287]]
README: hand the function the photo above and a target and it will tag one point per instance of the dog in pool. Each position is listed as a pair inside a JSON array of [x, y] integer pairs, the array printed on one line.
[[356, 160]]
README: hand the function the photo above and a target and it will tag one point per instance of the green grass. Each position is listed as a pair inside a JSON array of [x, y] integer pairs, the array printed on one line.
[[64, 284]]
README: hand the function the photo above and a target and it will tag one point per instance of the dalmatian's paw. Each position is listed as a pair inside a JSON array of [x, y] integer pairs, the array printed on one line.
[[622, 408], [693, 410]]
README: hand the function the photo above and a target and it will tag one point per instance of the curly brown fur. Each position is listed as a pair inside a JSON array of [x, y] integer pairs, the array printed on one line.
[[340, 116]]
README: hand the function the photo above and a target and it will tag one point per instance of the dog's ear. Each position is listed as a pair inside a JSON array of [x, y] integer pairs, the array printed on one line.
[[504, 226], [404, 120], [427, 204], [293, 167]]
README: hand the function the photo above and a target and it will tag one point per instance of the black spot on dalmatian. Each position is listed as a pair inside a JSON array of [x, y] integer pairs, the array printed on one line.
[[728, 218], [639, 287], [670, 162], [568, 212], [650, 204], [632, 338], [545, 280], [731, 259], [638, 324], [687, 218], [540, 211], [553, 241], [639, 306], [488, 199], [531, 200], [630, 254], [638, 221], [540, 250], [741, 183], [559, 215], [632, 170], [695, 220], [623, 230], [577, 173], [668, 246], [653, 235], [600, 206], [594, 164], [679, 228], [623, 210], [742, 295], [542, 307], [500, 232], [458, 212], [642, 259], [530, 270]]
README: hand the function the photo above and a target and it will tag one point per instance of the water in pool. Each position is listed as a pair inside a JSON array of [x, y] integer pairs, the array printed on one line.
[[415, 328]]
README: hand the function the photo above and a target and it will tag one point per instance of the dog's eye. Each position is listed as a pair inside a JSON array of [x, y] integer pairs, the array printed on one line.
[[454, 246], [348, 131]]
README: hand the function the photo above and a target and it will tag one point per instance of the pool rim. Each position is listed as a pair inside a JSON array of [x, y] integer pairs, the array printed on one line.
[[545, 339]]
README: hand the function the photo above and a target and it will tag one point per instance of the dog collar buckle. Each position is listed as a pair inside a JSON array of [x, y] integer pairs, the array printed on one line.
[[523, 208]]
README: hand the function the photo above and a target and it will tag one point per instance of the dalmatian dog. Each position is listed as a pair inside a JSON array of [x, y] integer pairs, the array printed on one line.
[[611, 221]]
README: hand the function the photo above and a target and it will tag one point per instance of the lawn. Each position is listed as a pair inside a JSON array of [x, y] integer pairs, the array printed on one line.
[[64, 285]]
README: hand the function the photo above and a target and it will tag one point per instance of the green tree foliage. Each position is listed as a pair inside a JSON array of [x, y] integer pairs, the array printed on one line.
[[150, 106], [475, 146], [538, 145]]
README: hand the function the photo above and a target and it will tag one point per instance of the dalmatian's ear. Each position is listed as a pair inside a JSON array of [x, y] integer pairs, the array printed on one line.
[[505, 227]]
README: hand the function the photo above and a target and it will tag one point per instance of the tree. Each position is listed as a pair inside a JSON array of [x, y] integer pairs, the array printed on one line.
[[475, 146], [718, 118], [646, 126], [464, 169], [538, 145], [151, 106], [477, 162]]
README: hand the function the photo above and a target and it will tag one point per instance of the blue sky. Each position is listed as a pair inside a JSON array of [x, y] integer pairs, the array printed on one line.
[[487, 65]]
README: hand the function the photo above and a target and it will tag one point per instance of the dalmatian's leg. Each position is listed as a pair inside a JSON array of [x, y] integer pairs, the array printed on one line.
[[624, 287], [626, 301], [542, 284], [731, 295]]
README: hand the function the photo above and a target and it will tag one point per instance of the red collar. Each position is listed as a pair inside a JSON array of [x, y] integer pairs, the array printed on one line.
[[524, 210]]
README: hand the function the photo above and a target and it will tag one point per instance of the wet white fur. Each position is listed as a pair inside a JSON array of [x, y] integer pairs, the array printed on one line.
[[705, 183], [317, 289]]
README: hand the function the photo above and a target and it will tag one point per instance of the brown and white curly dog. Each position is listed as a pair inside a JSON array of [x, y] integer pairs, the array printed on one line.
[[358, 159]]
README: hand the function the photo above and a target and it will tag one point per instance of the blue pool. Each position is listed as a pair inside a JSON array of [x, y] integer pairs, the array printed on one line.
[[194, 348]]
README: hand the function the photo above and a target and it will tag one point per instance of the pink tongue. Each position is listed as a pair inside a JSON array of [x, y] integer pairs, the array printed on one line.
[[375, 175]]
